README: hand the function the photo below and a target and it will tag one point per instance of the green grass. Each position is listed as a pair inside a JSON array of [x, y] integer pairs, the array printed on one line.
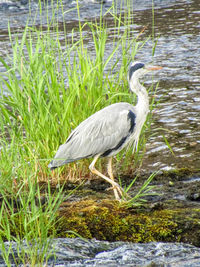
[[51, 87], [28, 212]]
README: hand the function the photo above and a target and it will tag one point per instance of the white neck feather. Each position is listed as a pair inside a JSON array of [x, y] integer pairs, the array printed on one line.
[[142, 107], [142, 95]]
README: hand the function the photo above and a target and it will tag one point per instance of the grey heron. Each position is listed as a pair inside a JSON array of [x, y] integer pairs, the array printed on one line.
[[109, 130]]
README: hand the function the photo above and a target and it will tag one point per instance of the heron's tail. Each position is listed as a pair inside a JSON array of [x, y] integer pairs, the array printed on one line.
[[56, 162], [51, 166]]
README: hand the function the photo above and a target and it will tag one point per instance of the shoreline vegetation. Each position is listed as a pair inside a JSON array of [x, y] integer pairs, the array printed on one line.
[[52, 83]]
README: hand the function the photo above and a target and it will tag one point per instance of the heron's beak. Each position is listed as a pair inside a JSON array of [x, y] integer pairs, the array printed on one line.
[[153, 68]]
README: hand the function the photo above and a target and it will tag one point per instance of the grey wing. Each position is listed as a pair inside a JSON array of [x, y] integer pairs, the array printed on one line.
[[104, 133]]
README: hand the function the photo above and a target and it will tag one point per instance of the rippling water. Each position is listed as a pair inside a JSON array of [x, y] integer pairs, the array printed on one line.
[[177, 27], [178, 51]]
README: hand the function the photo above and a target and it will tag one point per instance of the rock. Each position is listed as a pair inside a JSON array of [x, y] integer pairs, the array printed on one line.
[[80, 253], [12, 5]]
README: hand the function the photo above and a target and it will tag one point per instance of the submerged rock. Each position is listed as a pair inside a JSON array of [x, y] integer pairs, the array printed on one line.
[[80, 253]]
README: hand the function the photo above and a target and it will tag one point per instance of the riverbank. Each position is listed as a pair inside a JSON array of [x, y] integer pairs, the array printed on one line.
[[171, 212]]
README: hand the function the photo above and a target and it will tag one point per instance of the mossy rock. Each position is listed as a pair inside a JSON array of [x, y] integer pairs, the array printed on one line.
[[107, 220]]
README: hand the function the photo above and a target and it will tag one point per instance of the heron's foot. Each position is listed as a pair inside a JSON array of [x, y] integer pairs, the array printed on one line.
[[124, 195], [116, 187], [112, 188], [116, 191]]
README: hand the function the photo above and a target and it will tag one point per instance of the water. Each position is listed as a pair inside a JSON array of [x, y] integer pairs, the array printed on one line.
[[177, 28], [179, 110]]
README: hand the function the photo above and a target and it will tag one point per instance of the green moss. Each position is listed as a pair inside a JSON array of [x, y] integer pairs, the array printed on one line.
[[72, 227], [113, 223], [136, 228], [107, 220]]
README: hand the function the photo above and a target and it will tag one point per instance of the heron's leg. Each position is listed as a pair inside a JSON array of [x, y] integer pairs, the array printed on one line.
[[95, 171], [110, 172]]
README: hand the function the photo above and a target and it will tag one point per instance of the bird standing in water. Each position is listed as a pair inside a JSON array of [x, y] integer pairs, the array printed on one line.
[[109, 130]]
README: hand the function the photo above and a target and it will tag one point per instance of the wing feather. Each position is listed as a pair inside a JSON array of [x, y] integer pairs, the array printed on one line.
[[100, 133]]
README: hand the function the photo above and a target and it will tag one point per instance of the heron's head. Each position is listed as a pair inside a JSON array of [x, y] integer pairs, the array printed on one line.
[[139, 69]]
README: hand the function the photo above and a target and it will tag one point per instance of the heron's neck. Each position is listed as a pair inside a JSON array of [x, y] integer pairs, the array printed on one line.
[[142, 108], [142, 95]]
